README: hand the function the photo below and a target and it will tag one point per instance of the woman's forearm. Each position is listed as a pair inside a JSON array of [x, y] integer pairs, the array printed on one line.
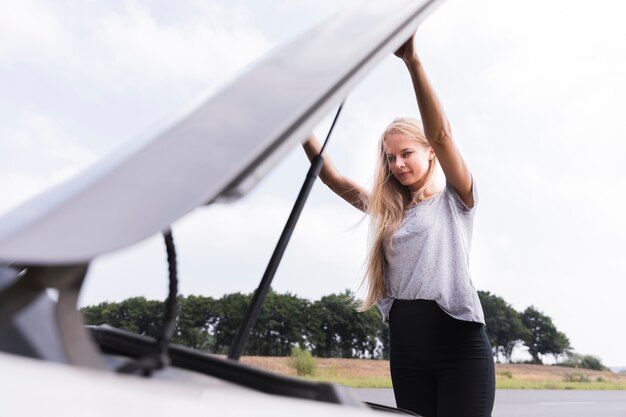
[[340, 185], [436, 126]]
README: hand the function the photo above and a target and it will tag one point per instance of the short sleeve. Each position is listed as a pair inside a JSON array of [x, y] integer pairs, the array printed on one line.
[[457, 200]]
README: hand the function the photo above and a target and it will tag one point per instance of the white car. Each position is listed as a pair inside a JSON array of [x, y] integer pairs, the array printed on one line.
[[51, 364]]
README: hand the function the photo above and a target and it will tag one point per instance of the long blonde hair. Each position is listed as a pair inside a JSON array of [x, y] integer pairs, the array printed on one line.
[[387, 203]]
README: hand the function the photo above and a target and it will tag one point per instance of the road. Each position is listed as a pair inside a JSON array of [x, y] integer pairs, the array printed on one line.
[[536, 403]]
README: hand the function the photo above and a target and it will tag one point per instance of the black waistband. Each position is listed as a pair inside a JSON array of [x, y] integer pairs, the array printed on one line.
[[424, 323]]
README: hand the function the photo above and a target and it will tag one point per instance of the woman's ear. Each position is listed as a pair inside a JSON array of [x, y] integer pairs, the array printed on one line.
[[431, 153]]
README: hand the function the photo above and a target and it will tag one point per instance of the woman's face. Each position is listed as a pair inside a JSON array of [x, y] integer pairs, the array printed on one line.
[[408, 160]]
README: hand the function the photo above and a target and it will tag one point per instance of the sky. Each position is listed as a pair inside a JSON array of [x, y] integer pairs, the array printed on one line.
[[534, 92]]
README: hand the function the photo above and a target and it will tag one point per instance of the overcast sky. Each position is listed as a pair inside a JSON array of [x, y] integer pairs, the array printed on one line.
[[534, 91]]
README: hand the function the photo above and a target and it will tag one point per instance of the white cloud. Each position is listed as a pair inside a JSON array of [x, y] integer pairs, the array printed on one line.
[[206, 44], [35, 154], [129, 48], [42, 144], [29, 31]]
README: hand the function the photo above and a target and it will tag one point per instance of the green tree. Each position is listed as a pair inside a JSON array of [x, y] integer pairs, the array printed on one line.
[[197, 319], [230, 311], [503, 325], [280, 326], [592, 362], [544, 338], [575, 360], [136, 315], [341, 331]]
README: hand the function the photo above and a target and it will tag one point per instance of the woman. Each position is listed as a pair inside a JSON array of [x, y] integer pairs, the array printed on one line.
[[418, 266]]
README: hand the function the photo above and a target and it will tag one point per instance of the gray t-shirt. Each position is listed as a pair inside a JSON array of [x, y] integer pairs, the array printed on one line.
[[428, 257]]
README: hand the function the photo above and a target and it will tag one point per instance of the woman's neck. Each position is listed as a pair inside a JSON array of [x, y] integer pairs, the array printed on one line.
[[428, 193]]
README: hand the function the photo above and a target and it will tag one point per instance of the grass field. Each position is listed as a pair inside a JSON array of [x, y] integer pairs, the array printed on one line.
[[366, 373]]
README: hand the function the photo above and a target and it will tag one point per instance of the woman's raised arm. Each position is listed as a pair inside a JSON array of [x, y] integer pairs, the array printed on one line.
[[343, 186], [436, 126]]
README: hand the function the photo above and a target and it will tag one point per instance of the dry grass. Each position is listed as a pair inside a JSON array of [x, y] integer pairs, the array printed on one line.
[[356, 373], [550, 373], [370, 373], [350, 368], [525, 376]]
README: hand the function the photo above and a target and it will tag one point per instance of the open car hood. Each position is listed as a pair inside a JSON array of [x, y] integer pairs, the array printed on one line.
[[217, 150]]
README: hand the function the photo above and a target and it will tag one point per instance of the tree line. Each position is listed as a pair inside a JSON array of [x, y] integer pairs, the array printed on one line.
[[328, 327]]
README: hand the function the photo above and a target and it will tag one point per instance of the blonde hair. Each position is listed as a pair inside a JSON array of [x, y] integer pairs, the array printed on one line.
[[387, 203]]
